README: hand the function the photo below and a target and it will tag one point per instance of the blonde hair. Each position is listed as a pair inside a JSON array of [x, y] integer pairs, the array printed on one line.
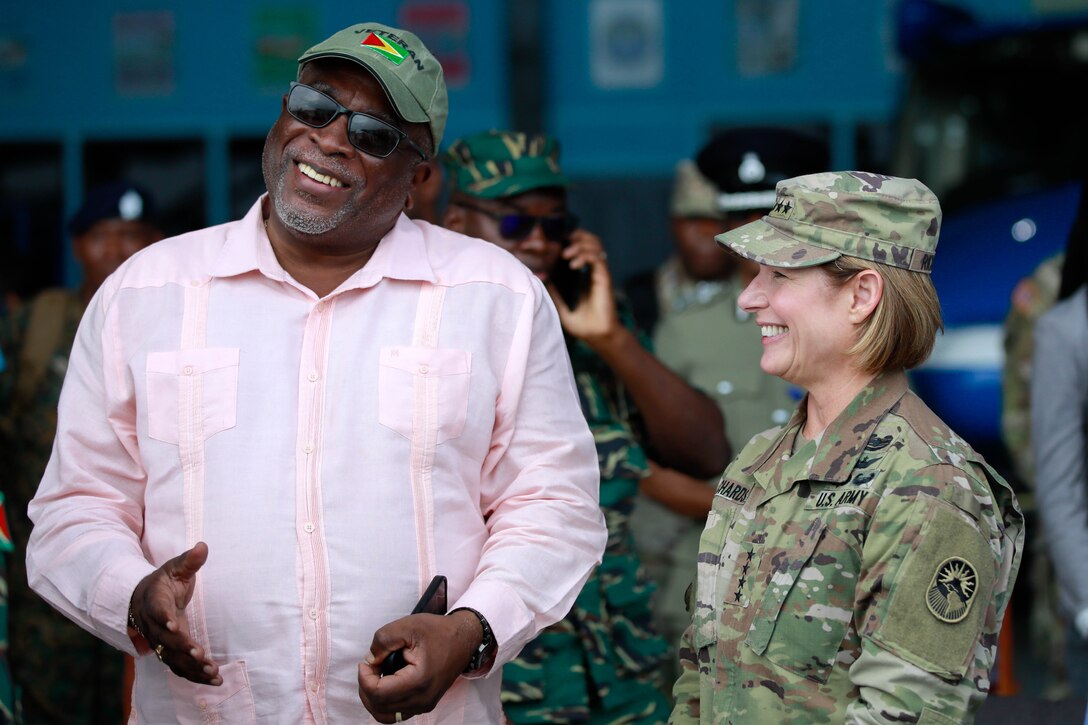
[[900, 332]]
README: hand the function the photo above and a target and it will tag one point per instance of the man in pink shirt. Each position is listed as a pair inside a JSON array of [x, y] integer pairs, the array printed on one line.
[[275, 432]]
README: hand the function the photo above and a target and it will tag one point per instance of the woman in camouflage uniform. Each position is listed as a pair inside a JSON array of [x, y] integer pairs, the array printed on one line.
[[858, 560]]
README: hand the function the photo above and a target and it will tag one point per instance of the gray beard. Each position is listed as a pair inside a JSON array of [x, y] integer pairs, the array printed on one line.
[[305, 223]]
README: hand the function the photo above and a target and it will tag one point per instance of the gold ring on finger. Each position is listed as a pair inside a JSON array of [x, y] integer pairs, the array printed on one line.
[[158, 650], [399, 717]]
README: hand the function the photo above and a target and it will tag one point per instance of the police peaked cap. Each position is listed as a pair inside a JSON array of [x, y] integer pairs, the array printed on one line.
[[744, 161]]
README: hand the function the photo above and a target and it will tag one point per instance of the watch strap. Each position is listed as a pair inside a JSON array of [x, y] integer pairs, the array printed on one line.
[[485, 652]]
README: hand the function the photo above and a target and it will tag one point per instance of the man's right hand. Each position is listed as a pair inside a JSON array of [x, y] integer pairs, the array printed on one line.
[[158, 609]]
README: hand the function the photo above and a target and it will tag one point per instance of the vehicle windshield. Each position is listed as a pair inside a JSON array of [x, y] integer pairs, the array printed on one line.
[[996, 115]]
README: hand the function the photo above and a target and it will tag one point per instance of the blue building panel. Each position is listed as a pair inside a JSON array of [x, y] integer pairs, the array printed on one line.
[[203, 66], [701, 70]]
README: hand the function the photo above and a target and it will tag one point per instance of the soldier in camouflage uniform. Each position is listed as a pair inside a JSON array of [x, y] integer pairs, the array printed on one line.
[[1031, 297], [65, 674], [601, 663], [7, 694], [858, 560]]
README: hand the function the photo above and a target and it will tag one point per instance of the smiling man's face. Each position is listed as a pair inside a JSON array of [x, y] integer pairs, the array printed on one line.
[[327, 193]]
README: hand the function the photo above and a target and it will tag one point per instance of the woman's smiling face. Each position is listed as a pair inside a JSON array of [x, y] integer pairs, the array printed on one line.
[[805, 324]]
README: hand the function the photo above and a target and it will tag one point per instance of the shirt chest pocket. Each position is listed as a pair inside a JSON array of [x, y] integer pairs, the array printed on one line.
[[191, 394], [424, 391], [808, 604]]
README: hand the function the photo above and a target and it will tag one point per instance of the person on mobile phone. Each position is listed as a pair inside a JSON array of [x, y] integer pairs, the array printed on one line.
[[602, 662]]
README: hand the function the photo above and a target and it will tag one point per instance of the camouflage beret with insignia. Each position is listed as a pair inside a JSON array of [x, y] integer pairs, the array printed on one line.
[[497, 164], [820, 217]]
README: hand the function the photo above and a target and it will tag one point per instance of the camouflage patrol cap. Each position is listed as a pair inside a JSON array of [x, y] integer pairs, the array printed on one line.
[[497, 164], [820, 217], [693, 195], [409, 73]]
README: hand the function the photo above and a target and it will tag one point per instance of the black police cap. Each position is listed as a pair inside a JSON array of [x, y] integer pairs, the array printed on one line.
[[115, 200], [744, 161]]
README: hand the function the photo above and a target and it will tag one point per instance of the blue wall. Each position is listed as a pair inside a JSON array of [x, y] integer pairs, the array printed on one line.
[[830, 82]]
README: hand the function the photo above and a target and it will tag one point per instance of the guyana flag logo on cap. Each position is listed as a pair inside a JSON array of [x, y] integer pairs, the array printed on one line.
[[394, 52]]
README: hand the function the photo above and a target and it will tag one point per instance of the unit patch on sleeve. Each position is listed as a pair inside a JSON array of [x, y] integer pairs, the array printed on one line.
[[952, 590]]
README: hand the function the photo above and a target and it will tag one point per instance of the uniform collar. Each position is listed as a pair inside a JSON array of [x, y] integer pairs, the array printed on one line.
[[676, 291], [401, 254], [844, 440]]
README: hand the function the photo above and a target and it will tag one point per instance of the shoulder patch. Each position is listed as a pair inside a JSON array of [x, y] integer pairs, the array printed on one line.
[[942, 594], [952, 590]]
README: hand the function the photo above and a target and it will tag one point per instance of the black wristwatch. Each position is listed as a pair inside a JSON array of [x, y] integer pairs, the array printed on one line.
[[132, 622], [486, 651]]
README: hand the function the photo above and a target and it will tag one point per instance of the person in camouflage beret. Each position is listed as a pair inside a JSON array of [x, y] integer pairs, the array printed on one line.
[[858, 560], [602, 662]]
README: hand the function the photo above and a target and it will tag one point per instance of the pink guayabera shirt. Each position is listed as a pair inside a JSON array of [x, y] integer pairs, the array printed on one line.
[[334, 454]]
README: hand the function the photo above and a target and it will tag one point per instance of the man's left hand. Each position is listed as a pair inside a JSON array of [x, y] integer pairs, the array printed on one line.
[[436, 649]]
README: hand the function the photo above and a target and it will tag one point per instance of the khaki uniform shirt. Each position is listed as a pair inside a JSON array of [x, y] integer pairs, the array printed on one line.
[[707, 340], [861, 578]]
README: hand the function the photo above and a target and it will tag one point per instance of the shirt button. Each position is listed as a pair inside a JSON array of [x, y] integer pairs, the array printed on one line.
[[423, 369], [203, 704], [307, 449], [308, 528], [188, 370], [195, 283], [313, 687], [313, 614], [312, 377]]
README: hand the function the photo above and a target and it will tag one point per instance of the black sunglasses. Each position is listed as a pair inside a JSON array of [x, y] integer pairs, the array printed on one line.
[[365, 132], [516, 227]]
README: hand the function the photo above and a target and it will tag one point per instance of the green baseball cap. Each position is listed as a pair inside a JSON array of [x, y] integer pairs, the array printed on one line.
[[820, 217], [497, 164], [693, 195], [409, 73]]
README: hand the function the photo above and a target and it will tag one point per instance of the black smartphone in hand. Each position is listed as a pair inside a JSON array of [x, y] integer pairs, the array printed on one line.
[[572, 284], [433, 601]]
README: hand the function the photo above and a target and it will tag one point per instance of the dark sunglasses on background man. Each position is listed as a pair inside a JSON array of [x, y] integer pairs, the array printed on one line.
[[365, 132], [516, 227]]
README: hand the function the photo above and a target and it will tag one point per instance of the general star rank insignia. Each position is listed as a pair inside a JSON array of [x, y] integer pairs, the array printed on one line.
[[952, 590], [783, 207]]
